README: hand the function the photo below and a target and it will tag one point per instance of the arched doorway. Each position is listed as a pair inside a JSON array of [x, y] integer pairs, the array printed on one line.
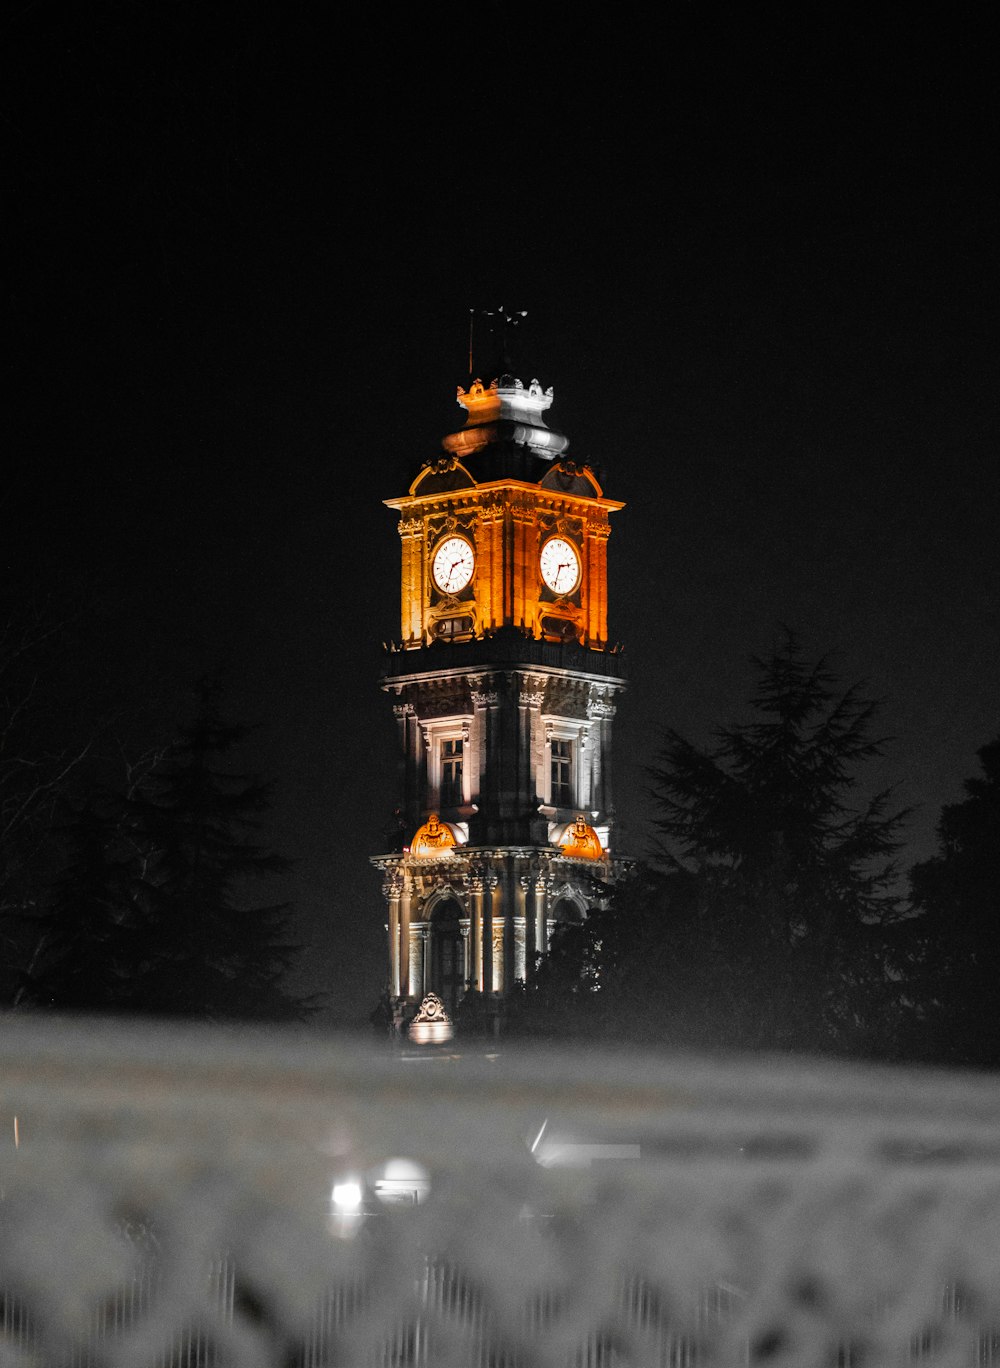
[[566, 912], [447, 961]]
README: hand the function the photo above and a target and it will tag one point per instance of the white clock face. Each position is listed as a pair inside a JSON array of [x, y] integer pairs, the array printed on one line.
[[560, 565], [453, 564]]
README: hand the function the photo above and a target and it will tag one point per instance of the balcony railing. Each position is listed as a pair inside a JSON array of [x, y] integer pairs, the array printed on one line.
[[188, 1197]]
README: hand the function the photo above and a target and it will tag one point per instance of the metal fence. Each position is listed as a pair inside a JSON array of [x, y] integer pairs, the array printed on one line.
[[184, 1198]]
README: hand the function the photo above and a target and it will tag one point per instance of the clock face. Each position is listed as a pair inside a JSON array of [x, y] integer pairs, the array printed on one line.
[[560, 565], [453, 564]]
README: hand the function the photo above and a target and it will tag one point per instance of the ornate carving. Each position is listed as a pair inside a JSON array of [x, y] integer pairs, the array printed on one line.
[[392, 884], [433, 838], [599, 704], [531, 700], [410, 527], [599, 708], [492, 509], [582, 842], [488, 699], [432, 1024], [523, 507]]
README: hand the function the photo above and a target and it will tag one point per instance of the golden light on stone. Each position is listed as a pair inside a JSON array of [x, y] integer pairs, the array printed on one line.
[[433, 838], [479, 552], [582, 842], [503, 684]]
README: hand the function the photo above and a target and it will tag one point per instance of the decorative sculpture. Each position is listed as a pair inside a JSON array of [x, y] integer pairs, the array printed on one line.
[[432, 1024]]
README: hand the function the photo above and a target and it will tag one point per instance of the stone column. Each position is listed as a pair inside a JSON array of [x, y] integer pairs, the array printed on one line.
[[526, 888], [416, 961], [490, 882], [404, 937], [467, 969], [541, 914], [476, 885], [510, 908], [392, 888], [412, 581], [500, 925], [484, 702]]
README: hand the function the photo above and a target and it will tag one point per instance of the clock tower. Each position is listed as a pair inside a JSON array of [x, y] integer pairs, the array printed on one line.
[[504, 687]]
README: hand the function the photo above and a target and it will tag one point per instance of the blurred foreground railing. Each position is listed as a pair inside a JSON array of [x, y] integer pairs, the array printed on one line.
[[185, 1198]]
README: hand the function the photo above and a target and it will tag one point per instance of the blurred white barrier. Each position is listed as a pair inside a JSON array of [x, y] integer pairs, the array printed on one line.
[[194, 1197]]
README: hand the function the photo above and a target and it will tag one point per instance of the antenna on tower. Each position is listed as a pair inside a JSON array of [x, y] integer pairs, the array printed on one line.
[[500, 320], [505, 318]]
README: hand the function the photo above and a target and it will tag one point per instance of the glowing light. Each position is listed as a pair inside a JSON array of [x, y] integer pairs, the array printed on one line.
[[434, 838], [402, 1182], [582, 842], [347, 1196]]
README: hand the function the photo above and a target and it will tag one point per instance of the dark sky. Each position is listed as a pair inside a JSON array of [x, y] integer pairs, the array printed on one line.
[[759, 255]]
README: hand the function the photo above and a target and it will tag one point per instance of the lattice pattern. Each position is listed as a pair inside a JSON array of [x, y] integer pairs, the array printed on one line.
[[169, 1206]]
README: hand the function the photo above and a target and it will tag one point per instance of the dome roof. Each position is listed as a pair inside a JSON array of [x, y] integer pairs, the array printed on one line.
[[433, 838], [581, 842]]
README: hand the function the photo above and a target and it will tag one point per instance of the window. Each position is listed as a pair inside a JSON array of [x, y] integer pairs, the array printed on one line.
[[447, 628], [451, 772], [562, 773]]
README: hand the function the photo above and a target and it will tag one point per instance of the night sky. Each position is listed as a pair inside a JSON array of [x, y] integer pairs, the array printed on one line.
[[759, 255]]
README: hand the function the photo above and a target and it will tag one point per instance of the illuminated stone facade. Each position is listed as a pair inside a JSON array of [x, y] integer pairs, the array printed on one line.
[[504, 688]]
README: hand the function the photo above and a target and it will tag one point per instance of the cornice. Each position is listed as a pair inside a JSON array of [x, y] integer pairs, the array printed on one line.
[[475, 671], [550, 498]]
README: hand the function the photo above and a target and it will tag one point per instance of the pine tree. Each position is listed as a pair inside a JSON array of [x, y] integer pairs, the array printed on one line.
[[794, 886], [957, 893], [92, 940], [766, 921], [209, 950]]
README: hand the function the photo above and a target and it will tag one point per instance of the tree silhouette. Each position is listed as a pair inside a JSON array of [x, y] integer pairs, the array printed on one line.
[[795, 885], [210, 949], [41, 757], [765, 922], [958, 894], [155, 909], [92, 941]]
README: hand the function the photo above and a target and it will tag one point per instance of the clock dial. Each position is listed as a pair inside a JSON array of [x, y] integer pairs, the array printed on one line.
[[453, 564], [560, 565]]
